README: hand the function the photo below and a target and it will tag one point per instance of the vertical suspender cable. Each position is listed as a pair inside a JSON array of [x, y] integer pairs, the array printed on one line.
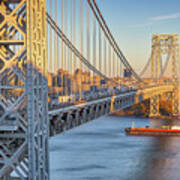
[[88, 39], [109, 65], [105, 57], [62, 48], [112, 64], [47, 27], [68, 50], [74, 31], [100, 53], [81, 40], [94, 45], [114, 70], [71, 54], [55, 49], [74, 40], [58, 53], [65, 47], [117, 67], [50, 39], [120, 72]]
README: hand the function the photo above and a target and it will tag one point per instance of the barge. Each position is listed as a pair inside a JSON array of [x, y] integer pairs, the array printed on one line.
[[162, 131]]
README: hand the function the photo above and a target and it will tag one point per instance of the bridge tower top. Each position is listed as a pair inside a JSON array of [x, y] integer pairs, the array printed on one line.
[[164, 44], [165, 36]]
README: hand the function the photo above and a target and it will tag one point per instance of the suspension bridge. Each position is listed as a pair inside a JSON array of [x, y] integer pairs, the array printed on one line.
[[60, 67]]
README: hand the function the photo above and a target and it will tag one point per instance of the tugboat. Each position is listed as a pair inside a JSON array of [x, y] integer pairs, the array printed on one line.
[[150, 131]]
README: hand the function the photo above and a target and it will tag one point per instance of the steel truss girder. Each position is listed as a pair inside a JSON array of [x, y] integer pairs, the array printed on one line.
[[73, 116]]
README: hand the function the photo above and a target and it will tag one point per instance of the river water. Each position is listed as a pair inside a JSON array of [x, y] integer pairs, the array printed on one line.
[[100, 150]]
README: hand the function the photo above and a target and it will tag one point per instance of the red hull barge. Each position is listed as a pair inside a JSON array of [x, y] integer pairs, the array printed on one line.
[[152, 131]]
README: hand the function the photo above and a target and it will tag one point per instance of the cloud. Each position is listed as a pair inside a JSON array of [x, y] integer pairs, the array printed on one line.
[[141, 25], [165, 17], [156, 19]]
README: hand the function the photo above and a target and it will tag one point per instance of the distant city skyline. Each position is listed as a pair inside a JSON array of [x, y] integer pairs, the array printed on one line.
[[133, 22]]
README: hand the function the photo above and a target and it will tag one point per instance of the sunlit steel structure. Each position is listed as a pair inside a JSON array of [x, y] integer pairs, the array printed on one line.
[[60, 68]]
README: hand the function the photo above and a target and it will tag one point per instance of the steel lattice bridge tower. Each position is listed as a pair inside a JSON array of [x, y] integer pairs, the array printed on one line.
[[49, 82], [159, 72], [23, 89]]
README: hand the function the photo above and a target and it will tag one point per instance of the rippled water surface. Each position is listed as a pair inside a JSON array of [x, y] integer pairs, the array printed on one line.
[[100, 150]]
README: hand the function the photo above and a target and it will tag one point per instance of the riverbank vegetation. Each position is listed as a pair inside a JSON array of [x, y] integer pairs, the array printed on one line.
[[143, 109]]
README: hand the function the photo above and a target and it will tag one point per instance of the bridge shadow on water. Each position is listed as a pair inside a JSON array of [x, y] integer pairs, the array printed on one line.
[[162, 160]]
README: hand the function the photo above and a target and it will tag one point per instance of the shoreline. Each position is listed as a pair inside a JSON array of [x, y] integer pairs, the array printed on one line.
[[162, 117]]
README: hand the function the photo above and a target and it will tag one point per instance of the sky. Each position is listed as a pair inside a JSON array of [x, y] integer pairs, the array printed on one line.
[[133, 22]]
